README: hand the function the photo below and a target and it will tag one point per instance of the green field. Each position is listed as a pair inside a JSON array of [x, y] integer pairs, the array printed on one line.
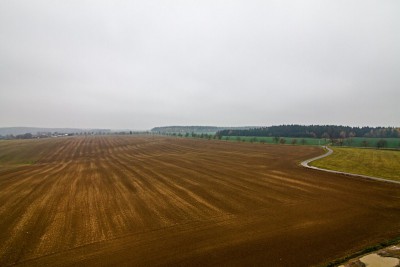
[[270, 140], [371, 162], [371, 142], [393, 143]]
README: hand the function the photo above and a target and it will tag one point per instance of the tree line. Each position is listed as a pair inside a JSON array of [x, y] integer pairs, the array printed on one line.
[[315, 131], [193, 129]]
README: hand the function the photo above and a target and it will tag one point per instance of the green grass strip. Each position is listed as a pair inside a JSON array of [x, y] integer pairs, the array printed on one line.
[[370, 162]]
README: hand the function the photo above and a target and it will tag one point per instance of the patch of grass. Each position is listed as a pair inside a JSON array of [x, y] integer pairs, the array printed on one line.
[[372, 162]]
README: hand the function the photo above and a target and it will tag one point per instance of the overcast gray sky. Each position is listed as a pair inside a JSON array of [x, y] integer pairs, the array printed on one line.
[[140, 64]]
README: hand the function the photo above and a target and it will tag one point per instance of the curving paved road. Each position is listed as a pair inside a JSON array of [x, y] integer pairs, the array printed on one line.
[[329, 152]]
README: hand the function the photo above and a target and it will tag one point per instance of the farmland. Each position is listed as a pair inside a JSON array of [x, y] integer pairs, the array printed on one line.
[[371, 162], [146, 201]]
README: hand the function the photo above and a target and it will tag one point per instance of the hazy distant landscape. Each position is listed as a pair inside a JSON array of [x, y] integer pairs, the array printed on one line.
[[373, 137], [200, 133]]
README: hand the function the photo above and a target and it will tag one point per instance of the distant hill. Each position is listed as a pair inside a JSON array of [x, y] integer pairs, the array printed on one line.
[[4, 131], [194, 129]]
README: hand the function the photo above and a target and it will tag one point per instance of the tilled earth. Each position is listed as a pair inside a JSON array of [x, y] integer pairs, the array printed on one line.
[[148, 201]]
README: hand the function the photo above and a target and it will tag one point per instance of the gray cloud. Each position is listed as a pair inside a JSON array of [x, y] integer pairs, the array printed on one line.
[[139, 64]]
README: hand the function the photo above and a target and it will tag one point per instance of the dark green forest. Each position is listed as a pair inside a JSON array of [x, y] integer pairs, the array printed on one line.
[[315, 131]]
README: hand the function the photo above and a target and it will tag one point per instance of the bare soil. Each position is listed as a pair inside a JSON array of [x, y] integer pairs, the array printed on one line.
[[155, 201]]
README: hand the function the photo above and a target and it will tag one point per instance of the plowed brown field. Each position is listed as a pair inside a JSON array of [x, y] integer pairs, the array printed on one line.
[[147, 201]]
